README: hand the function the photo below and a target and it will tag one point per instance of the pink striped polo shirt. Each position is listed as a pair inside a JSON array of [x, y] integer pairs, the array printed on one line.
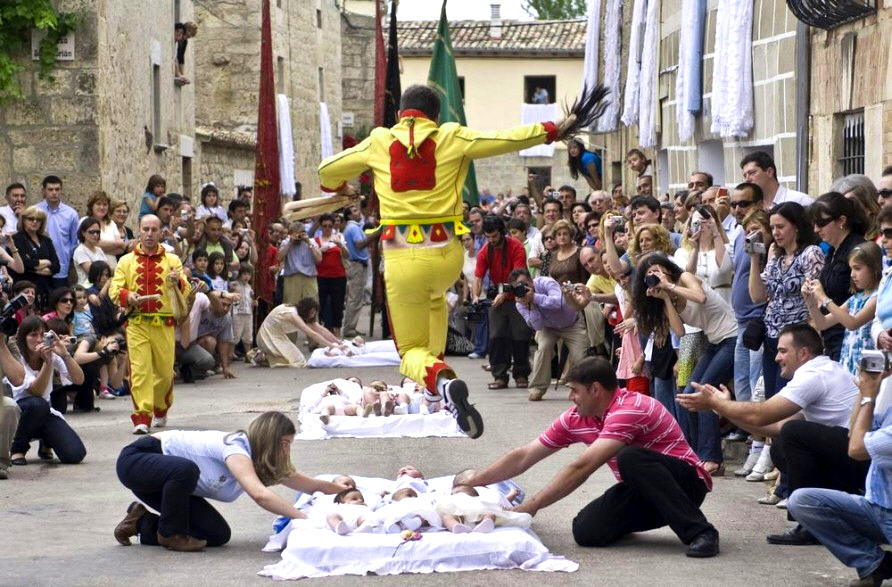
[[631, 418]]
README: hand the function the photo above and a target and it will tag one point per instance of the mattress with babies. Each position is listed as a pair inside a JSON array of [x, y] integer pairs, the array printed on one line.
[[375, 353]]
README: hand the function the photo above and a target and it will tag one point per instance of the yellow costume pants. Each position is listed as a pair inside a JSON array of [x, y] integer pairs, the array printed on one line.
[[150, 348], [417, 280]]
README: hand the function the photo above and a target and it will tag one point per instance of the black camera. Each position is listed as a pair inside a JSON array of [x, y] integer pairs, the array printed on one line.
[[651, 280], [519, 290], [8, 324], [477, 311]]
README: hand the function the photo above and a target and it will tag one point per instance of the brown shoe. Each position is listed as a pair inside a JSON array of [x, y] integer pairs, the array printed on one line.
[[521, 382], [128, 526], [181, 543]]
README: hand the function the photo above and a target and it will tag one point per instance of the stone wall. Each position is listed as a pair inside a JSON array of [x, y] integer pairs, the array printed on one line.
[[358, 71], [510, 170]]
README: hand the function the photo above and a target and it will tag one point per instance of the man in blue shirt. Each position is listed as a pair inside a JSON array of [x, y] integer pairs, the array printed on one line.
[[554, 316], [357, 270], [853, 527], [299, 254], [61, 223]]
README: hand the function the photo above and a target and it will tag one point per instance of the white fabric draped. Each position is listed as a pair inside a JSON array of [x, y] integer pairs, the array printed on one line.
[[732, 71], [530, 113], [326, 148], [613, 37], [633, 68], [286, 145], [592, 41], [647, 133], [684, 117]]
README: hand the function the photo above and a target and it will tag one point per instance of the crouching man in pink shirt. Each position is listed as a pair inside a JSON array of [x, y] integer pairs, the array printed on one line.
[[660, 481]]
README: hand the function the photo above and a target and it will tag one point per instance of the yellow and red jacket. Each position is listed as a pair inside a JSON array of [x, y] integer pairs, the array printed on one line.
[[143, 274], [419, 168]]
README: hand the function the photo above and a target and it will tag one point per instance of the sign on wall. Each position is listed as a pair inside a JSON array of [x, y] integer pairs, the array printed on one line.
[[64, 51]]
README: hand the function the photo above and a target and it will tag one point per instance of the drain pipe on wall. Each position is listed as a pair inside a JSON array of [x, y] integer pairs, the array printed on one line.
[[803, 99]]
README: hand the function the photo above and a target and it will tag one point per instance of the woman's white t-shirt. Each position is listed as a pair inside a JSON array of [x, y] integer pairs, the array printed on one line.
[[208, 449], [21, 391], [82, 254]]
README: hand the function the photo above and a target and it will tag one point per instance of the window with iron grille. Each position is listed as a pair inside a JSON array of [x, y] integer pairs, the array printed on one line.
[[852, 159]]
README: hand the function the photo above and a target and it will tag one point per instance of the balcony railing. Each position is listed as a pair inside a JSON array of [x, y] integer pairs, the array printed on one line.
[[827, 14]]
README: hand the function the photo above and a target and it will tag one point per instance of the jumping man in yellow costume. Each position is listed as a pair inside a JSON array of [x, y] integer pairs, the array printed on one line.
[[141, 283], [419, 169]]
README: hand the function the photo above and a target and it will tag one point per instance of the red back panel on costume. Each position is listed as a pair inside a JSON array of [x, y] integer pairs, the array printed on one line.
[[413, 173]]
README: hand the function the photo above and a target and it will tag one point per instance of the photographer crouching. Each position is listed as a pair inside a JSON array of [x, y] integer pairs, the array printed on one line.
[[508, 333], [554, 312]]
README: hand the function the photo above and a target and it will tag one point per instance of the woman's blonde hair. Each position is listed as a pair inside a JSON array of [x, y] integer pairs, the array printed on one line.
[[760, 216], [34, 212], [662, 243], [115, 204], [265, 434], [686, 239], [564, 224]]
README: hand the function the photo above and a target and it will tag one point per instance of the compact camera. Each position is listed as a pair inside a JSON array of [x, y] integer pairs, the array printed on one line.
[[753, 243], [519, 290], [651, 280], [48, 339], [618, 223], [567, 286], [873, 361]]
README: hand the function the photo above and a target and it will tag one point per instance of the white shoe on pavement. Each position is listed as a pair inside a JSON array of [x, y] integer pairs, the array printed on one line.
[[749, 465], [159, 421], [140, 429], [762, 467]]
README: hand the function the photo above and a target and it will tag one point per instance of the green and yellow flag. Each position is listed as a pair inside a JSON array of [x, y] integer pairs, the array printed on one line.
[[443, 79]]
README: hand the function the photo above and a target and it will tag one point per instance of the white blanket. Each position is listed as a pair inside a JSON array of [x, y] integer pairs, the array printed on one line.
[[286, 145], [397, 426], [732, 71], [376, 353], [313, 552], [612, 61], [530, 113]]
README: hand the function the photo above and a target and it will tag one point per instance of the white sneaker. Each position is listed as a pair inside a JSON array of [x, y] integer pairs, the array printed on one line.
[[475, 356], [140, 429], [758, 394], [749, 465], [159, 421], [762, 466], [782, 504]]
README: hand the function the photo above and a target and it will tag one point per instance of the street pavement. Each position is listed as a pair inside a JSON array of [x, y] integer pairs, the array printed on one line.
[[56, 521]]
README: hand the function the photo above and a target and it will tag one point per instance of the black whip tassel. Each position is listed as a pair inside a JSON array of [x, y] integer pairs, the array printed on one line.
[[586, 109]]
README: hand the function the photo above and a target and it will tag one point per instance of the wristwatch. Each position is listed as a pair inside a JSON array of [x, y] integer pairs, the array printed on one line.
[[824, 305], [866, 400]]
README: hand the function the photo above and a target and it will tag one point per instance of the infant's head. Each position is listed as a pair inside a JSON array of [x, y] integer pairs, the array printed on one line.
[[378, 385], [345, 481], [410, 471], [466, 489], [355, 380], [462, 477], [403, 493], [351, 495]]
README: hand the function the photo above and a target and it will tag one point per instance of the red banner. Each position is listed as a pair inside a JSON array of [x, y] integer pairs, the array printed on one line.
[[267, 198]]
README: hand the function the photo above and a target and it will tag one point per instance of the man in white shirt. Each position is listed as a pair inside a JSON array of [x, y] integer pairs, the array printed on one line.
[[808, 420], [15, 203], [759, 168]]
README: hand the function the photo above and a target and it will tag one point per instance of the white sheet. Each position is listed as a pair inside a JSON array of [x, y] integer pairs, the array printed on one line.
[[397, 426], [592, 42], [647, 132], [286, 145], [612, 63], [732, 72], [376, 353], [530, 113], [314, 552]]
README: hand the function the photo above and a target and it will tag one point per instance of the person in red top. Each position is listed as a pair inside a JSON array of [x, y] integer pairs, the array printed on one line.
[[660, 480], [509, 335], [331, 277]]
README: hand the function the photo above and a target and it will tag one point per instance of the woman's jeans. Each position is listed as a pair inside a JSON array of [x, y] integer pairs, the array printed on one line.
[[664, 392], [747, 367], [165, 483], [37, 422], [770, 369], [701, 429]]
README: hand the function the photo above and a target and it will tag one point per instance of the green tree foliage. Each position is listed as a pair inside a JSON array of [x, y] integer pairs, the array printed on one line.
[[17, 19], [555, 9]]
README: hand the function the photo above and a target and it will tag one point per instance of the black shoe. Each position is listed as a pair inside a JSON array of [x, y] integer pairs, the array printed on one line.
[[186, 373], [466, 415], [795, 536], [876, 578], [704, 545]]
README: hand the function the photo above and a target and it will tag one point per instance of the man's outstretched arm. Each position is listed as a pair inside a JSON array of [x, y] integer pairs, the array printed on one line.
[[573, 475], [478, 144], [336, 170], [512, 464]]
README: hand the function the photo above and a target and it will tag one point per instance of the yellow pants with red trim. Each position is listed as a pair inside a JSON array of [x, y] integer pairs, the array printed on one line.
[[417, 280], [150, 348]]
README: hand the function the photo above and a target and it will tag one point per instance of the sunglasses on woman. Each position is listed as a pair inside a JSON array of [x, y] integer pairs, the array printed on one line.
[[822, 222]]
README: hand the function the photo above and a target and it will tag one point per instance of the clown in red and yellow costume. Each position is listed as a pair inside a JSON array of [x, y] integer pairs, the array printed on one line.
[[150, 329], [419, 168]]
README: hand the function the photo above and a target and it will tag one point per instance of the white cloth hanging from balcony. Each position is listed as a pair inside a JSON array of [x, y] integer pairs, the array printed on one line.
[[647, 132], [592, 41], [633, 69], [286, 146], [732, 72], [530, 113], [690, 59], [325, 146], [613, 38]]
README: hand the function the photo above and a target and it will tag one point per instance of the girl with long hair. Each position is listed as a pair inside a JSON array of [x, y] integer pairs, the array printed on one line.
[[275, 348], [583, 162], [174, 472]]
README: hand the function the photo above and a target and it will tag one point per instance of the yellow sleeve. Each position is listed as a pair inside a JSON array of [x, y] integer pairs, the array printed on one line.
[[479, 144], [117, 289], [335, 170]]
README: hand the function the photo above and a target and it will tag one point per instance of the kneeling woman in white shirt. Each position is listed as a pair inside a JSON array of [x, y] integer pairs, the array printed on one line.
[[42, 359], [173, 471]]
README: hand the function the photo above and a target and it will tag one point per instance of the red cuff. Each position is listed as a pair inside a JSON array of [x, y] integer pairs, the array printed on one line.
[[551, 129], [330, 190], [123, 296]]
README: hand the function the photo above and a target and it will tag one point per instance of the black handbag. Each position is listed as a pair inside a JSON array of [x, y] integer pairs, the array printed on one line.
[[754, 334]]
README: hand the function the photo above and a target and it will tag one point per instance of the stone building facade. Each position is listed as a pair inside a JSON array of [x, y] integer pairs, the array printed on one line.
[[358, 72], [92, 126]]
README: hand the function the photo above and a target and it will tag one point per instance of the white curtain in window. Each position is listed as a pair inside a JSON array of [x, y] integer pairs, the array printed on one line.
[[732, 71], [286, 145], [530, 113]]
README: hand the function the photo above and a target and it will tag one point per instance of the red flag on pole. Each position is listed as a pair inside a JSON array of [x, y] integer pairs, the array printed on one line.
[[267, 198]]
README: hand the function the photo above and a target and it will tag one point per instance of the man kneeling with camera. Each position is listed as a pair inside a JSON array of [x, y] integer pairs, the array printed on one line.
[[554, 312]]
